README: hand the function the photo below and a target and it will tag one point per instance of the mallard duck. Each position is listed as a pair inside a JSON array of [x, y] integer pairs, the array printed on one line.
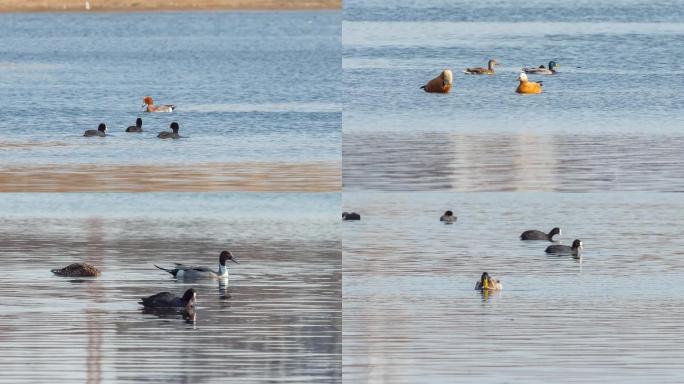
[[487, 283], [137, 127], [482, 71], [169, 300], [101, 131], [350, 216], [448, 217], [440, 84], [541, 70], [527, 86], [170, 135], [77, 270], [539, 235], [574, 250], [149, 106], [190, 272]]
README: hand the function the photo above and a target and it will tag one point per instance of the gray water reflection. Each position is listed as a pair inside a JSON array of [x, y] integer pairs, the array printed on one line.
[[411, 314], [278, 319], [513, 162]]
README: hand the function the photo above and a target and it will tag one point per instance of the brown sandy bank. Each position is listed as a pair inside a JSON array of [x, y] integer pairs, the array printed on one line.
[[209, 177], [163, 5]]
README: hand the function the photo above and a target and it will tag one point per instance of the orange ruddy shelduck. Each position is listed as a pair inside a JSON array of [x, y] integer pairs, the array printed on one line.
[[440, 84], [527, 86], [149, 106]]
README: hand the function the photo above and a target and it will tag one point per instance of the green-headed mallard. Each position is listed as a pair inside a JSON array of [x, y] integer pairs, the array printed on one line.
[[541, 70]]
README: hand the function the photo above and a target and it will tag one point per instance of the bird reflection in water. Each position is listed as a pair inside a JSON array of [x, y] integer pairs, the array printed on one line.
[[189, 315], [487, 294]]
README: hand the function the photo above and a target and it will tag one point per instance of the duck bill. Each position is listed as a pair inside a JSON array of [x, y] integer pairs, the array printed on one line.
[[236, 261]]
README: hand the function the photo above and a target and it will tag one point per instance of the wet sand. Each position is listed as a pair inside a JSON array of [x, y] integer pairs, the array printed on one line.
[[162, 5], [207, 177]]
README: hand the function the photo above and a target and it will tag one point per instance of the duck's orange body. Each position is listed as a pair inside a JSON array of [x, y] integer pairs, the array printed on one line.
[[440, 84], [528, 87], [435, 86]]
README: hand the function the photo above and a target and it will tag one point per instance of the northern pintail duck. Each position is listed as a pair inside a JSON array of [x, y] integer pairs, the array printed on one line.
[[448, 217], [137, 127], [149, 106], [100, 131], [527, 86], [533, 234], [169, 300], [482, 71], [487, 283], [541, 70], [77, 270], [440, 84], [349, 216], [191, 272], [574, 250], [170, 135]]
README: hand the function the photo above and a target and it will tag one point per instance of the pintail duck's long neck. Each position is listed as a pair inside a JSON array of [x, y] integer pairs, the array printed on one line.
[[223, 270]]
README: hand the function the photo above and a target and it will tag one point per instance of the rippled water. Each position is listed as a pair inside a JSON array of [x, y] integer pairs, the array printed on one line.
[[615, 102], [411, 314], [278, 319], [250, 88]]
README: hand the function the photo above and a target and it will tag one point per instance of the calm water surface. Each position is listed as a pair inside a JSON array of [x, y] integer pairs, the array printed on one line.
[[411, 314], [611, 116], [278, 319], [250, 87]]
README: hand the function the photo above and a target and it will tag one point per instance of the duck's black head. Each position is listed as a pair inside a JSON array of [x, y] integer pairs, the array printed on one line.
[[138, 122], [102, 127], [225, 256], [190, 297], [345, 214], [484, 276], [554, 232], [448, 213], [577, 244], [174, 127]]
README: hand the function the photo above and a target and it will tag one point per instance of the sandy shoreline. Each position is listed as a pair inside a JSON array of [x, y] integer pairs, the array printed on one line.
[[164, 5], [208, 177]]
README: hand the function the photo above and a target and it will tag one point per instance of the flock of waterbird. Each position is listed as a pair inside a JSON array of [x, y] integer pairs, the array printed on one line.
[[440, 84], [444, 81], [486, 282], [148, 106], [165, 300]]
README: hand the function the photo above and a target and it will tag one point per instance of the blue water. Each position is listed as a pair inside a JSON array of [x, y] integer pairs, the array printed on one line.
[[610, 116], [248, 86]]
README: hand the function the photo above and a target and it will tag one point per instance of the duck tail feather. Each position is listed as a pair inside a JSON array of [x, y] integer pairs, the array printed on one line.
[[164, 269]]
